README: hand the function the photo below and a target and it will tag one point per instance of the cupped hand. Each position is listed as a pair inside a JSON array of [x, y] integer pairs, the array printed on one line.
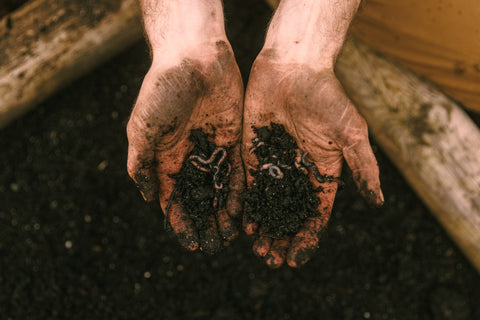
[[312, 106], [200, 90]]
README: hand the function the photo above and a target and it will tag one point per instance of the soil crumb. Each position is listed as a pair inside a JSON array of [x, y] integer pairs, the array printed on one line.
[[201, 186], [281, 196]]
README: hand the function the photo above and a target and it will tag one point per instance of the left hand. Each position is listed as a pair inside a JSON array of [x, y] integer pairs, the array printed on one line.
[[203, 91]]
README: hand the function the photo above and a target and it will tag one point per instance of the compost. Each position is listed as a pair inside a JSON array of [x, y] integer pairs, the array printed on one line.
[[202, 183], [281, 196]]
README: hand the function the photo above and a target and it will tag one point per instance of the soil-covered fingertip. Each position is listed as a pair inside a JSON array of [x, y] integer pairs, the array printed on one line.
[[148, 188], [188, 241], [261, 246], [227, 226], [374, 199]]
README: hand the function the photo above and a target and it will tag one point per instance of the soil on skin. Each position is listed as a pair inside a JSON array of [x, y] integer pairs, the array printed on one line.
[[279, 205], [195, 189]]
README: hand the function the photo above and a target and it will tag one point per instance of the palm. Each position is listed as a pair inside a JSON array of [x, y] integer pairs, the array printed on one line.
[[313, 108]]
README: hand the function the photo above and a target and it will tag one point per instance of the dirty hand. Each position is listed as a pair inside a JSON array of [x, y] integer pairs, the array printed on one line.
[[292, 83], [193, 83]]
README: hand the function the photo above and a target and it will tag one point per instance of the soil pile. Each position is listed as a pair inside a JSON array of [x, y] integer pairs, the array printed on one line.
[[202, 183], [282, 196]]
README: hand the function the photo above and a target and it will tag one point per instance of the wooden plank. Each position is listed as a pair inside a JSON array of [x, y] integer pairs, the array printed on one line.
[[47, 44], [432, 141]]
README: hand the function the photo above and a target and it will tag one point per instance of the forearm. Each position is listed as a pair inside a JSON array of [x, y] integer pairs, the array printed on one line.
[[178, 25], [310, 31]]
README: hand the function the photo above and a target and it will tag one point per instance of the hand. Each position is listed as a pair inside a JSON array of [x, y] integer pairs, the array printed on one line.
[[201, 89], [312, 106]]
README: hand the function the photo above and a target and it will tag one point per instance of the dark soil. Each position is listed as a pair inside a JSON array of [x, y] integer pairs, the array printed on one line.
[[279, 204], [78, 242], [195, 189]]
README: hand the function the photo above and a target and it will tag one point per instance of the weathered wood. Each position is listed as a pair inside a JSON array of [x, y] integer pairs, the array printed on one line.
[[431, 140], [47, 44]]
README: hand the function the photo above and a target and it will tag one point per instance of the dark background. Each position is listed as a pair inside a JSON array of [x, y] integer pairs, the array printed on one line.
[[78, 242]]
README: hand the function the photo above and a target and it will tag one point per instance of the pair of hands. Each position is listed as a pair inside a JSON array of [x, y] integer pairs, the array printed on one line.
[[199, 92], [194, 83]]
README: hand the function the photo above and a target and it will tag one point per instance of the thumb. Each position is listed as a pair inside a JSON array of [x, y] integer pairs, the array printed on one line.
[[141, 164], [361, 160]]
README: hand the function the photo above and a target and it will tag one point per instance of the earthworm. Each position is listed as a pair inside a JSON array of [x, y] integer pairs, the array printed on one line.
[[215, 175], [212, 157], [278, 174], [266, 166], [284, 166], [273, 170], [320, 178], [299, 166], [196, 165], [252, 149]]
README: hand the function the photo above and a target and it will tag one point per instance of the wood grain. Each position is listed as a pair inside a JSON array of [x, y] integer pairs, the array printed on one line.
[[47, 44], [432, 141]]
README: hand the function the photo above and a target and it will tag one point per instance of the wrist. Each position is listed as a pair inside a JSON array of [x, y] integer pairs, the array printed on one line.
[[182, 25], [310, 32]]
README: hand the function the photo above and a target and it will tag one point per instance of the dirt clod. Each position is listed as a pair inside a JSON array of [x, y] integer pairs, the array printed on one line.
[[282, 196]]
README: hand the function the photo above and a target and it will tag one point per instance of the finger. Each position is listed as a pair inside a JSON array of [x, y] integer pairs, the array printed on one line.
[[236, 184], [209, 239], [250, 228], [142, 132], [277, 254], [226, 225], [182, 225], [325, 181], [262, 245], [306, 240], [362, 162], [141, 165]]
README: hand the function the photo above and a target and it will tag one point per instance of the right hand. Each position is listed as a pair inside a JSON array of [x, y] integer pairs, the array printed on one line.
[[316, 112], [292, 83], [199, 90]]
